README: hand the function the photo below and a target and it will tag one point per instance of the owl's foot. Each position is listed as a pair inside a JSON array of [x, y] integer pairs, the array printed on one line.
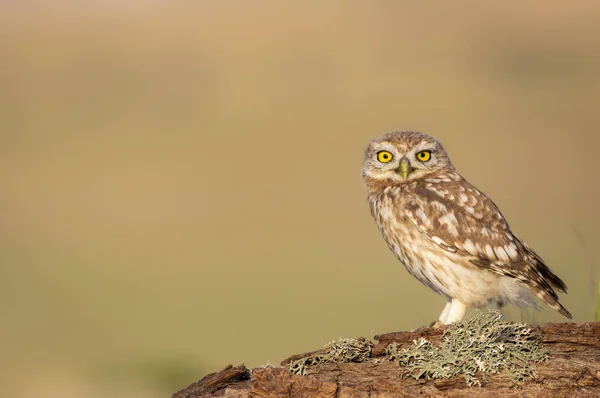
[[436, 324]]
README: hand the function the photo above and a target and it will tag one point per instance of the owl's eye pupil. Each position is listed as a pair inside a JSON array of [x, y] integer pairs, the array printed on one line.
[[385, 155]]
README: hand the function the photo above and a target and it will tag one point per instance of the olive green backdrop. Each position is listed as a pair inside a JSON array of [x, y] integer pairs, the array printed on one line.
[[180, 185]]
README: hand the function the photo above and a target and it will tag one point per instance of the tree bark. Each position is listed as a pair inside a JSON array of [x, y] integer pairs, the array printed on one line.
[[573, 369]]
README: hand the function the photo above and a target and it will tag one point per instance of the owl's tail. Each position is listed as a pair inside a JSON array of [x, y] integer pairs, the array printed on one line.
[[546, 274], [552, 301], [546, 285], [551, 278]]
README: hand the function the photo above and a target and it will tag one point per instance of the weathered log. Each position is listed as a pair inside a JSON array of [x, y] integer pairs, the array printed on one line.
[[214, 382], [573, 369]]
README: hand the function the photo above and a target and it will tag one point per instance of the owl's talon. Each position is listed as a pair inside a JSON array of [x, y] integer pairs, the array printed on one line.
[[435, 324]]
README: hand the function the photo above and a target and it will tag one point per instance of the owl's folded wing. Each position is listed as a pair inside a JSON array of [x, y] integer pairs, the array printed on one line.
[[461, 219]]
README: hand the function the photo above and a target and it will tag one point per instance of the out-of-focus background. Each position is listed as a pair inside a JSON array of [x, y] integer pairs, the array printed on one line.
[[180, 183]]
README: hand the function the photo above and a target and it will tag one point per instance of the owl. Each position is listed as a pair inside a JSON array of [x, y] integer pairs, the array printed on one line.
[[447, 233]]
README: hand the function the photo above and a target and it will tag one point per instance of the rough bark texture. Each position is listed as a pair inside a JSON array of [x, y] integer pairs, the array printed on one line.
[[573, 370]]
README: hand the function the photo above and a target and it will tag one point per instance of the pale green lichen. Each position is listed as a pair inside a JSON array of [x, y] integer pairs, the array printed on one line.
[[269, 365], [338, 351], [481, 345]]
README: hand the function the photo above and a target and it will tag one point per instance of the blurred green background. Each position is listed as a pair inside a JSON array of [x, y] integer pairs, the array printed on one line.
[[181, 182]]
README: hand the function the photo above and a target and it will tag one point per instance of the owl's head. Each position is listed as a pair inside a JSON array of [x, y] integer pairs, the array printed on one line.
[[405, 156]]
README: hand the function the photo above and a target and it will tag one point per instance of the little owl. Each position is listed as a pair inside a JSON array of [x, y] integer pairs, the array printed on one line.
[[447, 233]]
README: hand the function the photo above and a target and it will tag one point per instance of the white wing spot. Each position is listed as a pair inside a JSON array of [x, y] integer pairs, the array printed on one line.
[[501, 254], [489, 251], [472, 201], [436, 191], [440, 241], [479, 248], [439, 206], [470, 247], [511, 250], [450, 221]]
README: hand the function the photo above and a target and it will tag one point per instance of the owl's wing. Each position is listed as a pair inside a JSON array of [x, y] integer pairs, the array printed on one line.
[[461, 219]]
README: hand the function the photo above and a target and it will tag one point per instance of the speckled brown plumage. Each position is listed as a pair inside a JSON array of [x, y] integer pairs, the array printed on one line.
[[447, 233]]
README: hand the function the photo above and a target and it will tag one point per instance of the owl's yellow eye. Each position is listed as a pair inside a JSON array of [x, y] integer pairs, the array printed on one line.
[[424, 156], [384, 156]]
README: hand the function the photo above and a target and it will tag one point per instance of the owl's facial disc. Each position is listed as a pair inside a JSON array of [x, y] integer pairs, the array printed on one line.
[[402, 157]]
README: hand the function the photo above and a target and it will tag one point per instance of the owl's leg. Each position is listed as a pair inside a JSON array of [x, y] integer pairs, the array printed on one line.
[[456, 312], [445, 311], [442, 319]]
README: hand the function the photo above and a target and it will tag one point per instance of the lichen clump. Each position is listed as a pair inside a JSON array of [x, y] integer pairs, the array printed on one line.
[[338, 351], [481, 345]]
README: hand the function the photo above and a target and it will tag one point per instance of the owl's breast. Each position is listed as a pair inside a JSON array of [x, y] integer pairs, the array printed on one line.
[[443, 271], [394, 224]]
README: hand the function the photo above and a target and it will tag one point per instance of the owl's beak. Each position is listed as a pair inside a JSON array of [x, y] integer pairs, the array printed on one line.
[[404, 168]]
